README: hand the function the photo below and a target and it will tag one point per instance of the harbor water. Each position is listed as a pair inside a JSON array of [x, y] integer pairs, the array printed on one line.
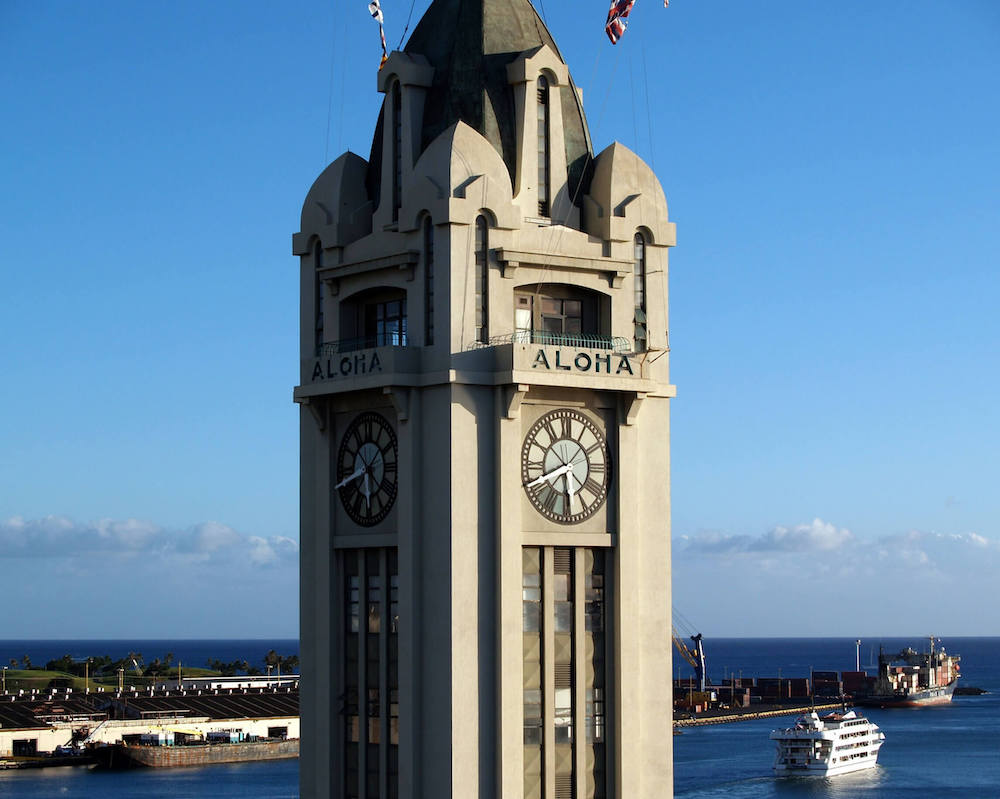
[[947, 751]]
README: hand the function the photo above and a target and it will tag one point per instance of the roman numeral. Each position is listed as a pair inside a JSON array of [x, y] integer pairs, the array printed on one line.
[[593, 487], [550, 430], [567, 427], [550, 501]]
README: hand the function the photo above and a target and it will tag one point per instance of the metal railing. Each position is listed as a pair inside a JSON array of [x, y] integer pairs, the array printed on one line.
[[391, 339], [584, 341]]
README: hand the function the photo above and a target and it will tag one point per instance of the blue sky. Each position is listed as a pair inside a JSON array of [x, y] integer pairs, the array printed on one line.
[[833, 173]]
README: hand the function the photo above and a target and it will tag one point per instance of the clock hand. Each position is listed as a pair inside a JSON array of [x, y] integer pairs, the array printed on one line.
[[366, 490], [357, 473], [566, 467], [569, 485]]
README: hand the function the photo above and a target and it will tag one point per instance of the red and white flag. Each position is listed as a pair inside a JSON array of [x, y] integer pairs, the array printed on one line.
[[617, 19]]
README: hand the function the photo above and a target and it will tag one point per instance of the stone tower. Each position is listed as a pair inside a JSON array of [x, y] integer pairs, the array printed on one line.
[[485, 472]]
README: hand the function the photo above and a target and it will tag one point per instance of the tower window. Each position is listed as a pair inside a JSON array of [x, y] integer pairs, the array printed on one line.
[[639, 280], [544, 148], [386, 324], [373, 318], [560, 314], [482, 279], [574, 579], [371, 671], [428, 282], [397, 151], [319, 292]]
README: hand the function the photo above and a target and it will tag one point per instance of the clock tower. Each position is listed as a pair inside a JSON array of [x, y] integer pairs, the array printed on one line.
[[485, 474]]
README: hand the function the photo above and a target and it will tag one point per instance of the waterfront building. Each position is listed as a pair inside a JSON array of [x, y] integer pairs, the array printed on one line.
[[484, 391]]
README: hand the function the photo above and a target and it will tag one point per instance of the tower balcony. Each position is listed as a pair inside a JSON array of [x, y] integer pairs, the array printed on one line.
[[587, 341], [539, 357]]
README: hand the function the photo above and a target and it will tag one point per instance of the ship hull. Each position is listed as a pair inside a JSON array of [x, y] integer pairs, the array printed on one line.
[[820, 770], [939, 695]]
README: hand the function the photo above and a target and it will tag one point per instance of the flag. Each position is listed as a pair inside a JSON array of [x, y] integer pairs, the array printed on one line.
[[617, 19], [375, 9]]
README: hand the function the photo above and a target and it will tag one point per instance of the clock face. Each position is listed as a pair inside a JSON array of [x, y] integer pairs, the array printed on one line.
[[367, 469], [565, 466]]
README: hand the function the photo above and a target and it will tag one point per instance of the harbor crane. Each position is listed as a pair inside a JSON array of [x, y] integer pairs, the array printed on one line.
[[695, 657]]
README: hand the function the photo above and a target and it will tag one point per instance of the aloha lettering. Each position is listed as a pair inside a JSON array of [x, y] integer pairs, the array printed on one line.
[[353, 365], [585, 362]]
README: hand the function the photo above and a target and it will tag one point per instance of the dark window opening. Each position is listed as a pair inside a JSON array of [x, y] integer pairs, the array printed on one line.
[[428, 282], [639, 279], [543, 145], [319, 293], [561, 314], [397, 151], [482, 279], [374, 318]]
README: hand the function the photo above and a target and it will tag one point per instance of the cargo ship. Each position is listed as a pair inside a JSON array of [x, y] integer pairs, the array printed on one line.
[[126, 756], [911, 679]]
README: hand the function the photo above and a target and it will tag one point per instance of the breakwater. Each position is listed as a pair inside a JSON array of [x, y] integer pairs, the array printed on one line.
[[724, 717]]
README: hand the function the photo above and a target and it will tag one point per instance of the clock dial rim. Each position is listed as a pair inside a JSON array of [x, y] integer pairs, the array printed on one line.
[[549, 495]]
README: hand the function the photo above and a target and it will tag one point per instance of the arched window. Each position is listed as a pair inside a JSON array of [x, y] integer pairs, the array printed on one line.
[[639, 281], [482, 279], [543, 146], [397, 151], [428, 281], [319, 292]]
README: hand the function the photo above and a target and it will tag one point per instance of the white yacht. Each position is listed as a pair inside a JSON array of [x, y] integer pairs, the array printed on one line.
[[823, 746]]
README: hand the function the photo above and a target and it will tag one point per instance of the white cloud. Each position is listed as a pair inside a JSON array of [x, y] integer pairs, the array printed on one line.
[[817, 536], [738, 584], [143, 580], [58, 537]]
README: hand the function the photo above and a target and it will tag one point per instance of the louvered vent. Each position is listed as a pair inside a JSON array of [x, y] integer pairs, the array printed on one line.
[[564, 786], [561, 559], [564, 675]]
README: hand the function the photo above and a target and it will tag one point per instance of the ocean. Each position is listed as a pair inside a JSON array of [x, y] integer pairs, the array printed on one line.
[[947, 751]]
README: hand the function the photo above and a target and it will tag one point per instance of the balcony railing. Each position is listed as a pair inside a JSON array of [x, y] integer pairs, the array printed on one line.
[[391, 339], [583, 341]]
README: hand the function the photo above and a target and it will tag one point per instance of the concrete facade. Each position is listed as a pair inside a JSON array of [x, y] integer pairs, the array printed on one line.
[[485, 504]]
